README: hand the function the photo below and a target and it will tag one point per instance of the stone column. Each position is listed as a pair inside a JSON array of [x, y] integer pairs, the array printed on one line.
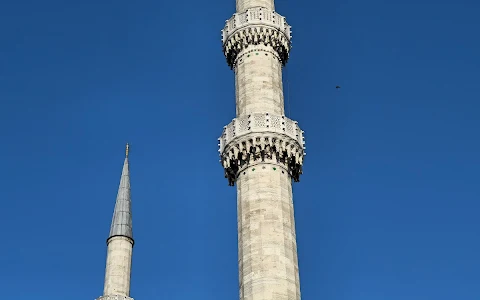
[[262, 152], [266, 235], [258, 82], [119, 265], [243, 5]]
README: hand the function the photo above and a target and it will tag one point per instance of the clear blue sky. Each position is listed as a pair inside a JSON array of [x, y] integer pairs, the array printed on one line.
[[389, 201]]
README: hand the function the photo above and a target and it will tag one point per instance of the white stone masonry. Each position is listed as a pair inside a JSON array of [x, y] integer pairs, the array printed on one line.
[[243, 5], [256, 43], [114, 297], [262, 152], [119, 265]]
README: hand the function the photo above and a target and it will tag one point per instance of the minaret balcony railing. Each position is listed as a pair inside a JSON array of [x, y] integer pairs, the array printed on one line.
[[256, 16], [261, 138], [114, 297], [259, 123], [256, 26]]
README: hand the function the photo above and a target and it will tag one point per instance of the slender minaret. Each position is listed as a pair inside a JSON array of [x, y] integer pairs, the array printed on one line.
[[262, 152], [120, 243]]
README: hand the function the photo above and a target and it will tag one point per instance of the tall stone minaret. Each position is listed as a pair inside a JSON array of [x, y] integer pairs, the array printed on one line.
[[120, 243], [262, 152]]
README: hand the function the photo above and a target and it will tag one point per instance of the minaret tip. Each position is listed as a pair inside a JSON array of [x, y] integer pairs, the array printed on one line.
[[122, 214]]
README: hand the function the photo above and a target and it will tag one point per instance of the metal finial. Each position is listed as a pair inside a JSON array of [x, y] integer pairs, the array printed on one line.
[[127, 148]]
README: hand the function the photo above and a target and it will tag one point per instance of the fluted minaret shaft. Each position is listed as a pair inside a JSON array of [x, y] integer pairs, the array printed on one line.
[[258, 83], [120, 243], [261, 152], [243, 5]]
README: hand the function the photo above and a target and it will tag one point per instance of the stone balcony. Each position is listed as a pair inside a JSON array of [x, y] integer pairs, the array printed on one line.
[[260, 123], [114, 297], [256, 16], [261, 138], [256, 26]]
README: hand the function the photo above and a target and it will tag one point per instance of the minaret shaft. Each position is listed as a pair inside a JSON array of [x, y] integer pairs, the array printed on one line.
[[243, 5], [268, 264], [119, 266], [261, 151], [120, 243], [258, 83]]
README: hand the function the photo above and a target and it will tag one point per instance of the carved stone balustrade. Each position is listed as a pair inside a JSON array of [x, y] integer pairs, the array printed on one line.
[[260, 122], [114, 297], [256, 16], [256, 26], [261, 138]]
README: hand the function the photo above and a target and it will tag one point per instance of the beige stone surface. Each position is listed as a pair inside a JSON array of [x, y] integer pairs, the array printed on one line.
[[243, 5], [114, 297], [258, 82], [119, 264], [256, 43], [268, 263]]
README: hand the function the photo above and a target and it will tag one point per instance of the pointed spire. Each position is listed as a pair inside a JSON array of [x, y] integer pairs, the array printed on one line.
[[122, 215]]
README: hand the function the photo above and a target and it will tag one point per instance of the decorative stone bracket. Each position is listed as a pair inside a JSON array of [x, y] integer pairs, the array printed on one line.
[[261, 138], [256, 26]]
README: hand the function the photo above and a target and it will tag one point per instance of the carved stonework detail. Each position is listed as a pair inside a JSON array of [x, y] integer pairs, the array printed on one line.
[[256, 26], [261, 138], [114, 297]]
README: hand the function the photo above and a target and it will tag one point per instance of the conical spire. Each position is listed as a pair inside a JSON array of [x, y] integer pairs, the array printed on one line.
[[122, 215]]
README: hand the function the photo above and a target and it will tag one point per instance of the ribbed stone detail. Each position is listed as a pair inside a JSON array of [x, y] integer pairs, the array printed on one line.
[[122, 215]]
